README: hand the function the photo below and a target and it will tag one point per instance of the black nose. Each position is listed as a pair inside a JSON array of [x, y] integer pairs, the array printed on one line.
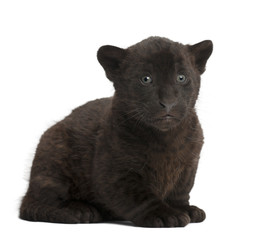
[[167, 106]]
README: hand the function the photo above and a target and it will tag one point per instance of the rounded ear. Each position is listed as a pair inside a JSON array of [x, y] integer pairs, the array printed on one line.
[[110, 58], [201, 53]]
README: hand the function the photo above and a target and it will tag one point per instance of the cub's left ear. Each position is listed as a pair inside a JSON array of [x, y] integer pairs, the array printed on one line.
[[201, 53], [110, 58]]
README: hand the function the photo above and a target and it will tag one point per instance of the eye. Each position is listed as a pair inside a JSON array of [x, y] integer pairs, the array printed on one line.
[[181, 79], [146, 80]]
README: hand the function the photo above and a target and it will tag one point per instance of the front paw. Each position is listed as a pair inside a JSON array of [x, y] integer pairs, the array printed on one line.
[[85, 213], [196, 214], [163, 217]]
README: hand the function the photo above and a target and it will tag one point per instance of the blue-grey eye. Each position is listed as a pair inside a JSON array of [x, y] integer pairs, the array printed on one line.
[[181, 78], [146, 80]]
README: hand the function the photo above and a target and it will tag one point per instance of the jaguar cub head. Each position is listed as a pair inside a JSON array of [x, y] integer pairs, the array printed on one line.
[[157, 81]]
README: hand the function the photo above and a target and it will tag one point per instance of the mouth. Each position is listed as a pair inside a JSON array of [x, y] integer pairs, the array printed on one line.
[[165, 122], [166, 117]]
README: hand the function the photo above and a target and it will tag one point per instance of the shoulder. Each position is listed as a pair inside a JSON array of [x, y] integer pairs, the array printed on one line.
[[88, 115]]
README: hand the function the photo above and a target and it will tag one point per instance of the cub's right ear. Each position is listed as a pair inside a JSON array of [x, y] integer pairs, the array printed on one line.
[[110, 58]]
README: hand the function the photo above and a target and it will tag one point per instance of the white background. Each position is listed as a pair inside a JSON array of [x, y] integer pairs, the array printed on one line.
[[48, 66]]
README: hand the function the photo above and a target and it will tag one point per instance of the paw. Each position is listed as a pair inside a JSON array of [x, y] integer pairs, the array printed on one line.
[[85, 213], [196, 214], [161, 218], [89, 215]]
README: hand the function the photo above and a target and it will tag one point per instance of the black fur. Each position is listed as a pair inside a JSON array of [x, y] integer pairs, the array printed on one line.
[[132, 156]]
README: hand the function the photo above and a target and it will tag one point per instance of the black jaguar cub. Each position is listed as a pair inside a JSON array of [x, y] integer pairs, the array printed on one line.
[[132, 156]]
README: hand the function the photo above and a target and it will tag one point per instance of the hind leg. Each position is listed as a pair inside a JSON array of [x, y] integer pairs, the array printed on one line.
[[48, 200], [74, 212]]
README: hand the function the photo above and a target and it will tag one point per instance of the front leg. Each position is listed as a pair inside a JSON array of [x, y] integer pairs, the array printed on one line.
[[131, 199], [179, 198]]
